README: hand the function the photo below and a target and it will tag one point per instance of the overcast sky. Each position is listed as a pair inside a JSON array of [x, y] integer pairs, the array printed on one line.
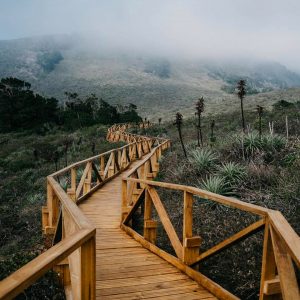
[[266, 29]]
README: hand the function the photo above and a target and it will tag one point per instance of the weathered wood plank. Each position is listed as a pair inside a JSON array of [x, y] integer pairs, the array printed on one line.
[[166, 222]]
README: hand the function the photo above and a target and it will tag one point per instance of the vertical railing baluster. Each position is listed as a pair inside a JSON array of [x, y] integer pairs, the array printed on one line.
[[124, 200], [190, 244], [88, 269], [150, 226]]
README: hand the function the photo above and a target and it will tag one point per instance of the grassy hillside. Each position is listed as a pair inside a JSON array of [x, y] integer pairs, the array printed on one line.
[[25, 160], [159, 86]]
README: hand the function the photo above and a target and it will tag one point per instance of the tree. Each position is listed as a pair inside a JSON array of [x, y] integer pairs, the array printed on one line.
[[241, 88], [159, 121], [260, 112], [20, 108], [199, 111], [178, 123]]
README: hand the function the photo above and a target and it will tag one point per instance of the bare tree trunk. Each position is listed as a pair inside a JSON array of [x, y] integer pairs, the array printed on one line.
[[198, 131], [287, 127], [243, 117], [181, 141]]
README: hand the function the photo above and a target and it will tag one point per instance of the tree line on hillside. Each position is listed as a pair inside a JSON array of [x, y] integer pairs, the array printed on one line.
[[241, 92], [22, 109]]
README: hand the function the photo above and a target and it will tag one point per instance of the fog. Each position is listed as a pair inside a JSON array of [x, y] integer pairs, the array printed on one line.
[[255, 29]]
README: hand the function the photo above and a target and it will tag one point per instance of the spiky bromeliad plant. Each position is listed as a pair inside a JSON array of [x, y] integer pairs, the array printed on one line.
[[249, 142], [273, 142], [204, 159], [216, 184], [232, 172]]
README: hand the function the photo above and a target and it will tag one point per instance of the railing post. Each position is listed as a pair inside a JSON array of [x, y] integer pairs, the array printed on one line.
[[111, 168], [268, 263], [102, 165], [87, 181], [119, 159], [88, 269], [190, 244], [51, 212], [124, 200], [149, 224], [148, 175], [72, 191]]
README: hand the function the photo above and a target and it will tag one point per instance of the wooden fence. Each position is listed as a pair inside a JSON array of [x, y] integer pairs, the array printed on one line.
[[281, 245], [73, 252]]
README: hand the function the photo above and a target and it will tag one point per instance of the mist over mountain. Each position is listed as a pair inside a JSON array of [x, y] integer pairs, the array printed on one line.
[[59, 63]]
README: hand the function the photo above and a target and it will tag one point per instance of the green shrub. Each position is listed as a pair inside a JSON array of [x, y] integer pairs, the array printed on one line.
[[252, 143], [204, 159], [289, 159], [273, 142], [216, 184], [232, 172]]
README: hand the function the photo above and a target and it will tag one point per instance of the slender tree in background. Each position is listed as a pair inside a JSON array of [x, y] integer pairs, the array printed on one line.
[[260, 110], [212, 137], [241, 88], [159, 121], [199, 111], [178, 123]]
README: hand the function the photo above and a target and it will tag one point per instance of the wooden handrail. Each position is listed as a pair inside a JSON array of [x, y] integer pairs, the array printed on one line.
[[78, 238], [287, 234], [231, 202], [13, 285], [285, 241], [281, 243]]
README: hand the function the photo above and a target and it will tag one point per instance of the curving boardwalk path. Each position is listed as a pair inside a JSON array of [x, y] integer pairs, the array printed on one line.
[[124, 269]]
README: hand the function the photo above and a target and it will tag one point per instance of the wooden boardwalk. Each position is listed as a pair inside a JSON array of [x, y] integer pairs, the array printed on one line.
[[124, 269], [97, 254]]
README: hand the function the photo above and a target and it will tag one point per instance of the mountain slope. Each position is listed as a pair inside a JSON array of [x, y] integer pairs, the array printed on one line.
[[159, 86]]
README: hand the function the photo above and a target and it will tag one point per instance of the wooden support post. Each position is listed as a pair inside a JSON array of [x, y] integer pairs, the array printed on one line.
[[72, 194], [149, 224], [111, 168], [190, 244], [63, 271], [119, 159], [87, 182], [102, 165], [53, 210], [88, 269], [124, 200], [45, 217], [287, 276], [147, 172], [73, 179], [154, 164], [268, 271], [133, 152], [72, 191]]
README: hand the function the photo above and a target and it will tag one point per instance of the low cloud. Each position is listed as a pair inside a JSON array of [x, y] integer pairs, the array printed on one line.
[[267, 30]]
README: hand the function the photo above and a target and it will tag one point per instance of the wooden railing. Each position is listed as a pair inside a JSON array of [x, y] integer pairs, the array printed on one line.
[[73, 252], [281, 245]]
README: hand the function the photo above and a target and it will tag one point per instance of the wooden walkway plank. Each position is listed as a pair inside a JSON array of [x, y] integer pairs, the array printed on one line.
[[124, 269]]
